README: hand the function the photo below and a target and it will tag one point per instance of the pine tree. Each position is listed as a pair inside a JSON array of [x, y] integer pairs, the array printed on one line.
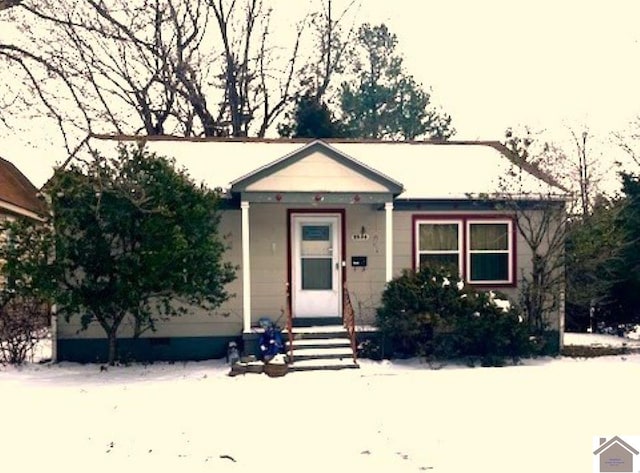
[[384, 101], [625, 289]]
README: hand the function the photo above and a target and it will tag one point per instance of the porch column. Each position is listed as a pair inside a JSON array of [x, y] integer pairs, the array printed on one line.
[[388, 213], [246, 269]]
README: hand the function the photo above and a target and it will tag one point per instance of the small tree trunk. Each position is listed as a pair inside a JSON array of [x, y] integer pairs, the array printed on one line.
[[113, 345]]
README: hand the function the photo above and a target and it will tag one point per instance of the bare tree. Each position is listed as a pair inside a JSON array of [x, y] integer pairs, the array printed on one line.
[[574, 163], [541, 220], [629, 141], [38, 75], [315, 102], [248, 72], [5, 4], [543, 228], [587, 179], [23, 323], [333, 34], [184, 67], [24, 306], [133, 62]]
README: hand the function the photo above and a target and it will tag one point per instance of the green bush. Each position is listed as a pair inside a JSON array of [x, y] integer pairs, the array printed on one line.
[[413, 305], [489, 334], [427, 313], [370, 348]]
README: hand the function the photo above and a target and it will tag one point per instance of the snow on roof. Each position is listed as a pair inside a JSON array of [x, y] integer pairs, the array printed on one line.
[[427, 170]]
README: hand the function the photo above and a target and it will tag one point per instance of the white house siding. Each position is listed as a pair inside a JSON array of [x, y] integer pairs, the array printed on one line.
[[268, 232], [365, 284], [402, 241], [268, 228]]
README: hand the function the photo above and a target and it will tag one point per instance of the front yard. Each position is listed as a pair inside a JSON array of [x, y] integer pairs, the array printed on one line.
[[387, 417]]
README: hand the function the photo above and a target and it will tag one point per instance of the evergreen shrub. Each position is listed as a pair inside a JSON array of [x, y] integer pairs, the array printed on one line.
[[429, 313]]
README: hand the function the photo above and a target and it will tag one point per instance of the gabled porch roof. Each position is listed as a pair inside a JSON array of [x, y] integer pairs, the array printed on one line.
[[335, 171]]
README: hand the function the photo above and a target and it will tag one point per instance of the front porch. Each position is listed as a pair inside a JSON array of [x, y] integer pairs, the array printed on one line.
[[316, 232], [316, 313], [286, 268]]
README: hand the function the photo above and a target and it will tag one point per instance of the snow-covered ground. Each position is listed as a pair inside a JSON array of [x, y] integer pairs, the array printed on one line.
[[386, 417], [600, 340]]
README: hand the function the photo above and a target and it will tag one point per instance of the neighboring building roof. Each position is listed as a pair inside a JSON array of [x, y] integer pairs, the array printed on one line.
[[17, 194], [426, 170]]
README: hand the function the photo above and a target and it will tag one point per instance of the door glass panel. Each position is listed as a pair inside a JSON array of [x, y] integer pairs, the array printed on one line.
[[316, 240], [315, 232], [316, 248], [316, 274]]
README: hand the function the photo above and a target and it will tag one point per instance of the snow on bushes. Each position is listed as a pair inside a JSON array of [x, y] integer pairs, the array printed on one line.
[[430, 313]]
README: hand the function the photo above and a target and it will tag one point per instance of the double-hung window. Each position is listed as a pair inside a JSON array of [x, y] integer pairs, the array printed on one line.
[[489, 252], [480, 249]]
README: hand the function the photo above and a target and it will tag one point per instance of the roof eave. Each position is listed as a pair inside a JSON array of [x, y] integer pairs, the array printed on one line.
[[13, 209]]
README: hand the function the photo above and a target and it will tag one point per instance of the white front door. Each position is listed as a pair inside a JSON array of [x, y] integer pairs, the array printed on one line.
[[316, 265]]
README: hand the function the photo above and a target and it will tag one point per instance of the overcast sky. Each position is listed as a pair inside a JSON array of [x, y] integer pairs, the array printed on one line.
[[491, 64]]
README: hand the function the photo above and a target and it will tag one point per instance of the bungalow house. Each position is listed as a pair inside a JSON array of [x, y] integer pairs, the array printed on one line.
[[318, 227]]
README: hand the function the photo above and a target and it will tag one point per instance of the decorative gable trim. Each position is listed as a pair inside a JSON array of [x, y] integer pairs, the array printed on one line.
[[241, 184]]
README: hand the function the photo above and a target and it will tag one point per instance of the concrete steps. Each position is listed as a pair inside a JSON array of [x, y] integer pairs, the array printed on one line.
[[320, 342], [319, 331], [323, 365], [320, 347], [323, 352]]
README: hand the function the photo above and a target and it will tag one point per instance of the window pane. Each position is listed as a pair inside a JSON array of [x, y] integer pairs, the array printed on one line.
[[438, 236], [316, 240], [489, 267], [489, 236], [316, 273], [315, 232], [449, 261]]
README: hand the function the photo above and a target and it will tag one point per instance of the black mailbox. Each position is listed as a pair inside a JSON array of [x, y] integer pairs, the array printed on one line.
[[359, 261]]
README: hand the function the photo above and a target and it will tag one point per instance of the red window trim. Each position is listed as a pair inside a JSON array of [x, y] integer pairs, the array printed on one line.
[[464, 220]]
